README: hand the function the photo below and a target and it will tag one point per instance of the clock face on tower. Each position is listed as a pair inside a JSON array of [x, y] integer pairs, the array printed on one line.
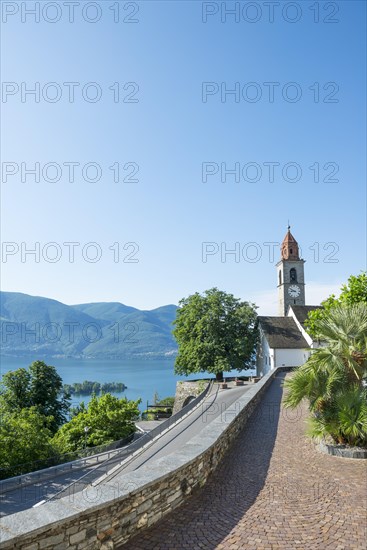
[[294, 291]]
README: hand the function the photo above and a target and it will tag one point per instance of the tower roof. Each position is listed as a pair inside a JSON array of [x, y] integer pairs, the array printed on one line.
[[289, 248]]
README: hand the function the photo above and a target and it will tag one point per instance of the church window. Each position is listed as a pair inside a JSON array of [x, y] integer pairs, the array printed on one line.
[[291, 250], [280, 277], [293, 274]]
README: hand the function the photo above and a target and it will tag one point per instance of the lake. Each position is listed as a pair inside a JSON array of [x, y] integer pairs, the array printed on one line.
[[143, 377]]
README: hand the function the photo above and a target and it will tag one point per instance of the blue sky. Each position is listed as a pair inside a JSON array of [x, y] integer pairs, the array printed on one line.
[[168, 133]]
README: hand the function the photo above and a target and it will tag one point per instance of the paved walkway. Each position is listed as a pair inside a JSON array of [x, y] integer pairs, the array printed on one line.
[[274, 490]]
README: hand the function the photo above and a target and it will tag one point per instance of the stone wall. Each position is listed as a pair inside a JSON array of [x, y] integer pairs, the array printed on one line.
[[185, 390], [111, 513]]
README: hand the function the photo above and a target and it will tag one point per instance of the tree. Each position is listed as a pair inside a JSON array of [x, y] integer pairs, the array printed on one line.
[[215, 332], [107, 418], [156, 398], [353, 292], [166, 402], [25, 437], [40, 386], [345, 419], [333, 377], [15, 389]]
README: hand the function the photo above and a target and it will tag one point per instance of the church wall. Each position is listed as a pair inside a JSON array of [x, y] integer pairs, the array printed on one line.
[[264, 357], [290, 357]]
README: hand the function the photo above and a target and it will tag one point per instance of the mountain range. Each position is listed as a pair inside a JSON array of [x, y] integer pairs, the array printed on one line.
[[32, 324]]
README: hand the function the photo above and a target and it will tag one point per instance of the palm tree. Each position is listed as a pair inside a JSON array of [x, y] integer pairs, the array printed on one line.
[[334, 376], [344, 419]]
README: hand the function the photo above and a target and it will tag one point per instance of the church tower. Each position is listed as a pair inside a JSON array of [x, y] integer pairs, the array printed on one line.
[[290, 272]]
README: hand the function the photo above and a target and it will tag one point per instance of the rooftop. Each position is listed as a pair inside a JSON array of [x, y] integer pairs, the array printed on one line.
[[282, 332], [301, 312]]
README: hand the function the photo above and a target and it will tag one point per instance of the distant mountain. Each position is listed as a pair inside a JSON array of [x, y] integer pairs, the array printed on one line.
[[109, 311], [31, 324]]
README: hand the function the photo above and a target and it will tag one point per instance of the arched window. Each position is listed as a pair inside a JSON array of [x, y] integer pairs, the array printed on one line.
[[280, 277], [293, 275]]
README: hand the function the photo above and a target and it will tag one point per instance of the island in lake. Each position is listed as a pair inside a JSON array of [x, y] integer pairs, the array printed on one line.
[[87, 387]]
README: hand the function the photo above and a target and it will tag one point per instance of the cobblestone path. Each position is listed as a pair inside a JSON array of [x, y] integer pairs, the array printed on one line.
[[274, 490]]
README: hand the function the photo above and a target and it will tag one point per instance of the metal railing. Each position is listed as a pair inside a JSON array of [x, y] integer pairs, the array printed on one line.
[[93, 455], [131, 450]]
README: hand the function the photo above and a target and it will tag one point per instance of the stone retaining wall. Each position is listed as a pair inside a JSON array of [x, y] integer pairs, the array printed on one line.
[[186, 389], [110, 514], [343, 451]]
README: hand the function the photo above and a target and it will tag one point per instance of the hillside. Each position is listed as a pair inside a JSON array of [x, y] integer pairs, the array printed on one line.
[[100, 330]]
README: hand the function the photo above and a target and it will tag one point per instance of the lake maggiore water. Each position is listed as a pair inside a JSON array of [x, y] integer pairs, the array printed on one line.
[[143, 377]]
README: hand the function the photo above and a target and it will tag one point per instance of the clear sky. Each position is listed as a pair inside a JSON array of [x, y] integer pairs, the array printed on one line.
[[166, 118]]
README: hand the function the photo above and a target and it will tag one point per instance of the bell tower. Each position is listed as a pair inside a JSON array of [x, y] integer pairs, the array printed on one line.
[[291, 278]]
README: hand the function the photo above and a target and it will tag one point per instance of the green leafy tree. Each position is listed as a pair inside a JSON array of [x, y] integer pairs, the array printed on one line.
[[215, 332], [40, 386], [15, 389], [333, 377], [353, 292], [25, 441], [166, 402], [79, 408], [107, 419]]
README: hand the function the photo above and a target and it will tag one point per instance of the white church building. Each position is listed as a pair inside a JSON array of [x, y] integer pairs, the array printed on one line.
[[284, 340]]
